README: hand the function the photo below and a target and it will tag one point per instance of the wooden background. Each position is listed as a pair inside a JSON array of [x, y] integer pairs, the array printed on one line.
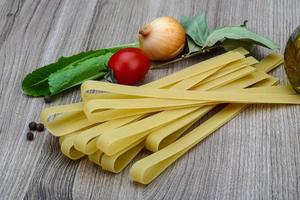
[[255, 156]]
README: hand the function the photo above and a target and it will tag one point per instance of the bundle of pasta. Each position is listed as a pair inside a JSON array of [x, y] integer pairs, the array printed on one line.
[[111, 128]]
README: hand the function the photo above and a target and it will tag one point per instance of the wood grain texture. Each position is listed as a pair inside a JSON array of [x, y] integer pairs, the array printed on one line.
[[254, 156]]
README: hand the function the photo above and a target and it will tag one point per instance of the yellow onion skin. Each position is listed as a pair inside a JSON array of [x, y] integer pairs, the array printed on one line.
[[162, 39]]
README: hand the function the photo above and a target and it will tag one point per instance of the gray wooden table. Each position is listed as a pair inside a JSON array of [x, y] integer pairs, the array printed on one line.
[[254, 156]]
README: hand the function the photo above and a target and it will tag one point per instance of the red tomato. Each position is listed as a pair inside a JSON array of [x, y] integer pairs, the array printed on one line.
[[129, 65]]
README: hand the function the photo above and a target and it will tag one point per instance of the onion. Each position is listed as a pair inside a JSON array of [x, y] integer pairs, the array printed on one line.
[[162, 39]]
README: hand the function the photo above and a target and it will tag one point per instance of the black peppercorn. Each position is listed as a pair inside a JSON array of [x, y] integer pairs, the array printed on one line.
[[30, 136], [32, 126], [47, 99], [40, 127]]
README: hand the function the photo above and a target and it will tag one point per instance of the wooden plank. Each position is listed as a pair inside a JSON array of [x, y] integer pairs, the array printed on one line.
[[255, 156]]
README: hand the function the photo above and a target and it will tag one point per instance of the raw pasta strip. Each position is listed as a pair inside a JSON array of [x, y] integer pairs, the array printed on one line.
[[112, 166], [215, 73], [67, 146], [247, 80], [67, 143], [225, 80], [84, 139], [86, 144], [241, 50], [117, 162], [148, 168], [226, 70], [113, 142], [188, 83], [113, 114], [122, 134], [111, 159], [268, 63], [244, 82], [91, 105], [282, 89], [72, 119], [158, 104], [96, 157], [205, 96], [145, 170], [163, 136], [48, 112], [175, 135], [183, 84], [142, 103], [120, 160], [167, 135], [199, 68]]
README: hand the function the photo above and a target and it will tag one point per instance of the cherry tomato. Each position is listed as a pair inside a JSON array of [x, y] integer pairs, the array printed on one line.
[[129, 65]]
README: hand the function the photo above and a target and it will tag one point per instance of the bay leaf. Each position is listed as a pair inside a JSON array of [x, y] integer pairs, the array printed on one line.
[[238, 33], [197, 30]]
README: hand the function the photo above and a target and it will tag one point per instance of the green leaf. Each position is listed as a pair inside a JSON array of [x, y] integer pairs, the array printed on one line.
[[68, 71], [238, 33], [193, 47], [229, 44], [197, 30]]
